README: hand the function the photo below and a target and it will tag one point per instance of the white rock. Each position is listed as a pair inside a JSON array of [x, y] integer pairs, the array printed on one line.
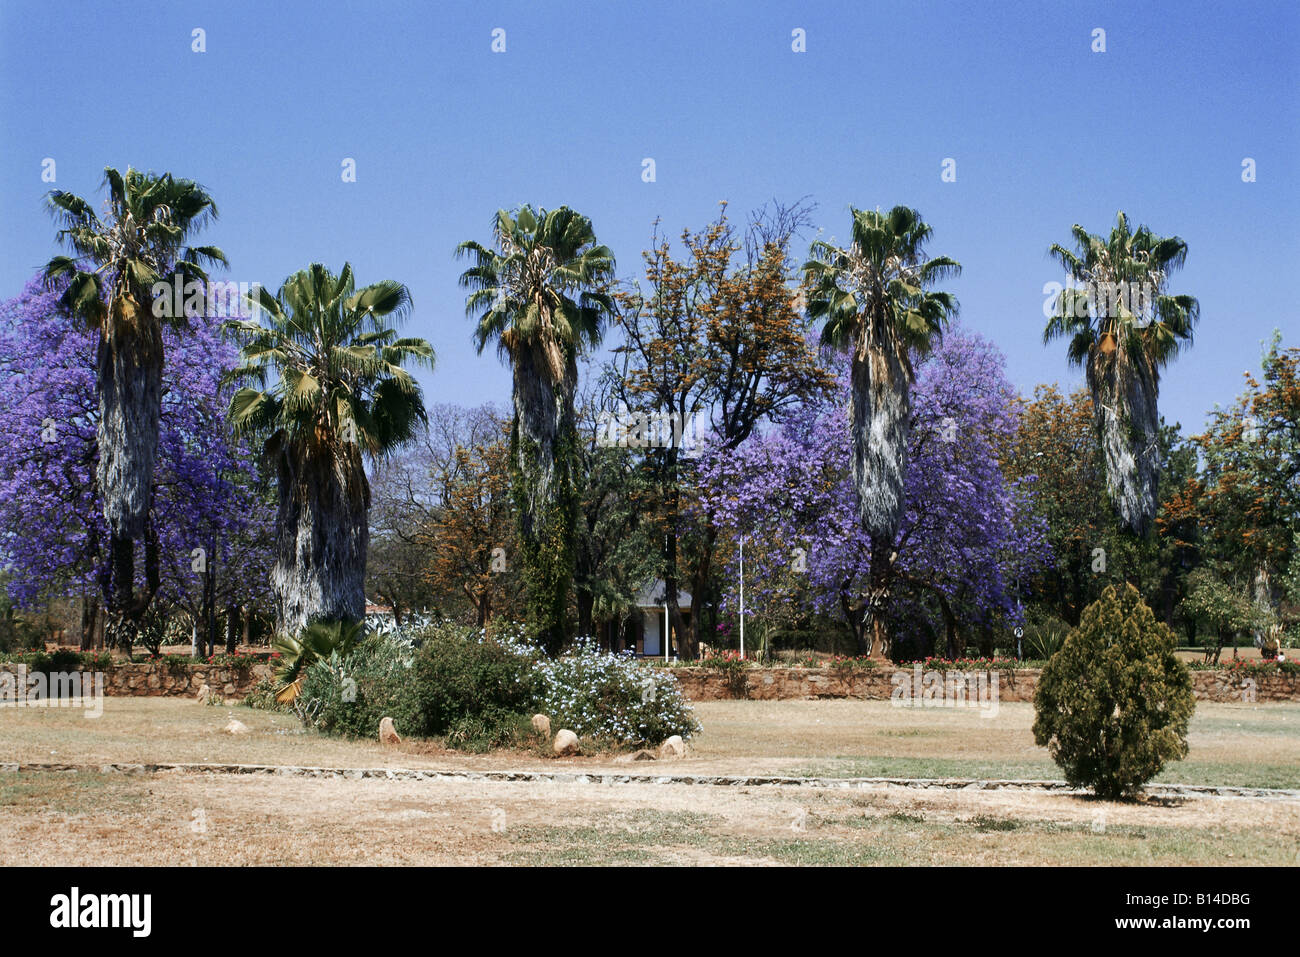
[[236, 727], [566, 742], [542, 725], [674, 747], [387, 733]]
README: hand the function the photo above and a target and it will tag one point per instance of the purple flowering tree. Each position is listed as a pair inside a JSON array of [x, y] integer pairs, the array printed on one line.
[[966, 536], [209, 509]]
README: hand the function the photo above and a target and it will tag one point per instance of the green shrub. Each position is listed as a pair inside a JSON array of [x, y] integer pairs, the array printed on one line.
[[349, 695], [1114, 703], [61, 660], [477, 692], [262, 697], [468, 676], [608, 697], [1044, 636], [489, 730]]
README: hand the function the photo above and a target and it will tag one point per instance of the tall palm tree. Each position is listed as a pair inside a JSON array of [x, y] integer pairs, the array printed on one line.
[[340, 394], [109, 283], [539, 291], [875, 300], [1123, 328]]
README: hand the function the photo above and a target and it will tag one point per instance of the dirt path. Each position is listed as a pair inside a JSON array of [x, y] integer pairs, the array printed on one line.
[[187, 818]]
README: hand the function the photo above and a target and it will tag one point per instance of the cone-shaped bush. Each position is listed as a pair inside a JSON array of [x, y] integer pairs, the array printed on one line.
[[1114, 703]]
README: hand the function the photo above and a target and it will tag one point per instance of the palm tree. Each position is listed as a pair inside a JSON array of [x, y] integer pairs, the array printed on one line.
[[875, 301], [1123, 327], [340, 393], [109, 283], [540, 293]]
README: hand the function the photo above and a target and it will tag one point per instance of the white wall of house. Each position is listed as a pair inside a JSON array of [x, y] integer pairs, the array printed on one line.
[[651, 645]]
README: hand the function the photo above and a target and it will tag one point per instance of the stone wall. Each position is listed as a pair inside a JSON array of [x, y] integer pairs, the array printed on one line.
[[150, 679], [774, 684]]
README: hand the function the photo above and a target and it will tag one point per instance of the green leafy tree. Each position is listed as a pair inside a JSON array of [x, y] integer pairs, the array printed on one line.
[[340, 393], [876, 301], [716, 335], [539, 291], [1225, 607], [1113, 704], [617, 547], [1247, 498], [1057, 455], [1123, 327], [109, 282]]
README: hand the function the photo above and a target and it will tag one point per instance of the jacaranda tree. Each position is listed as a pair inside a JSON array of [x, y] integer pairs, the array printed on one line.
[[877, 302], [208, 515], [965, 535]]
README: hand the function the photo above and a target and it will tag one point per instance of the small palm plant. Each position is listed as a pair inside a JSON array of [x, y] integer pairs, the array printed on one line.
[[318, 641], [340, 393], [1123, 327]]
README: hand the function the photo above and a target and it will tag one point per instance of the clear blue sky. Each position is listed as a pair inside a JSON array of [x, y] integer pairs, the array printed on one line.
[[1045, 133]]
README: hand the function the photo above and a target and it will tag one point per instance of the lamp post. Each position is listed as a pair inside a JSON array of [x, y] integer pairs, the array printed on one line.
[[666, 639], [742, 597]]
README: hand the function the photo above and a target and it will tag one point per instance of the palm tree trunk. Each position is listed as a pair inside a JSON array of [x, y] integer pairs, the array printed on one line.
[[543, 445], [322, 534], [880, 413], [879, 418], [879, 589], [129, 387], [1124, 401]]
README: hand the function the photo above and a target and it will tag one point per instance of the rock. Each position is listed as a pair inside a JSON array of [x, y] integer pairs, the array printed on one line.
[[236, 727], [674, 747], [566, 742], [542, 725], [642, 755], [387, 733], [202, 696]]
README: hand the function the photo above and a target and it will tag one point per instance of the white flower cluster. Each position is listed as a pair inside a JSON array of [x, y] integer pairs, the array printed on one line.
[[597, 694]]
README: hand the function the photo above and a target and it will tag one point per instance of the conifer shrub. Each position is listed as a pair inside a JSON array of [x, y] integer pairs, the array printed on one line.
[[1113, 704]]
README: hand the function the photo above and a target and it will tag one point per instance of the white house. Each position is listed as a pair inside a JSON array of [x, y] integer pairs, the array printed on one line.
[[654, 618], [643, 632]]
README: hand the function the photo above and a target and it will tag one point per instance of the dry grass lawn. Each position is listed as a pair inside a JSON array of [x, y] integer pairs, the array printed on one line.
[[175, 817]]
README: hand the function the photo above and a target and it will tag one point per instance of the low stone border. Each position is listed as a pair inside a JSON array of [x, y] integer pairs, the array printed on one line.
[[148, 679], [876, 684], [604, 777], [157, 679]]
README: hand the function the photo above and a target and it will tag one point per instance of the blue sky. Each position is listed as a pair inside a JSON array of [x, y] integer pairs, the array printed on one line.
[[1044, 132]]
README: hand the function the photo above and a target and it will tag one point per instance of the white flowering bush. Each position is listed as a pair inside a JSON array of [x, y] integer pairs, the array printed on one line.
[[600, 695]]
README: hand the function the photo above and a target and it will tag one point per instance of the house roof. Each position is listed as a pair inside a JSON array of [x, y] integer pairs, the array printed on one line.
[[651, 595]]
